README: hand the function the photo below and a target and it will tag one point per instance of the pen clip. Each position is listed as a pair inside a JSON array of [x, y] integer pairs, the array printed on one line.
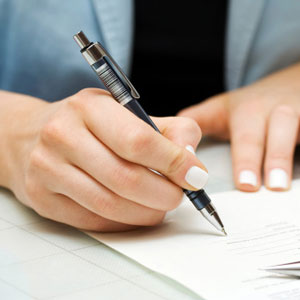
[[133, 91]]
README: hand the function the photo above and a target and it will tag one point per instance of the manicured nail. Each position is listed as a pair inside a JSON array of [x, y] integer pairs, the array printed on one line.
[[247, 177], [190, 148], [278, 178], [196, 177]]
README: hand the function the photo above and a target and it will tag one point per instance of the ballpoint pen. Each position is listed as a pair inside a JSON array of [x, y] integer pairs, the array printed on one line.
[[290, 269], [123, 92]]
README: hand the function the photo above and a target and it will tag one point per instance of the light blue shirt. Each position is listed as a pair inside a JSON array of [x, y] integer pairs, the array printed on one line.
[[38, 55]]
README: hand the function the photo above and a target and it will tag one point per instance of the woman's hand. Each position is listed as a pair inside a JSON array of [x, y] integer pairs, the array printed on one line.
[[262, 122], [85, 161]]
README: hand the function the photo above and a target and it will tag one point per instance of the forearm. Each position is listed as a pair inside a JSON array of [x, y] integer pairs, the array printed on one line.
[[16, 113]]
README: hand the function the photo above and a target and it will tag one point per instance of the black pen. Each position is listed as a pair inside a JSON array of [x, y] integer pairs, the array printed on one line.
[[123, 92]]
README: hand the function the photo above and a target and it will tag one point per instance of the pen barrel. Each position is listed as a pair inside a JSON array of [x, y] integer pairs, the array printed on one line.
[[137, 109]]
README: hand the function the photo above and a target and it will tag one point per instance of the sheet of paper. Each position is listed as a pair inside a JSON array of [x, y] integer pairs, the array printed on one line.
[[263, 229], [41, 259]]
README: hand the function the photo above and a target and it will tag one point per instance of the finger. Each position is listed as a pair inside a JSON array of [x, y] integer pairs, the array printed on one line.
[[126, 179], [95, 197], [62, 209], [211, 115], [81, 188], [135, 141], [281, 141], [182, 131], [247, 147]]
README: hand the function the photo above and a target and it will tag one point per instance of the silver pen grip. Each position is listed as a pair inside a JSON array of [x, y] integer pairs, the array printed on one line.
[[112, 81]]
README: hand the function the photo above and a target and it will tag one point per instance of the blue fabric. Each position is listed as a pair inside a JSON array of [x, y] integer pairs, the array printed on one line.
[[262, 37], [38, 55], [277, 42]]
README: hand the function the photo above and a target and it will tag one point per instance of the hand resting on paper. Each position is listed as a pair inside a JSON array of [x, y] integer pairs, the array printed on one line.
[[262, 122]]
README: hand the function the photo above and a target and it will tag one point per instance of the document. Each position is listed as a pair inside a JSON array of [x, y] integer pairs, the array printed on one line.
[[263, 229]]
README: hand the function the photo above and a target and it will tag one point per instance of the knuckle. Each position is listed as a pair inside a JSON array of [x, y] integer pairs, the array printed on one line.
[[245, 109], [41, 167], [75, 103], [248, 138], [87, 100], [281, 156], [87, 92], [104, 204], [52, 132], [190, 125], [81, 100], [127, 179], [284, 109], [137, 141], [177, 161], [37, 159]]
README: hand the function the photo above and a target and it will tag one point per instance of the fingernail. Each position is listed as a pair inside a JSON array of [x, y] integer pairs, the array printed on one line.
[[196, 177], [190, 148], [278, 178], [247, 177]]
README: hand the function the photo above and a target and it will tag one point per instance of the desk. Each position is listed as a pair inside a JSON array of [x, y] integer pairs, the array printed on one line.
[[41, 259]]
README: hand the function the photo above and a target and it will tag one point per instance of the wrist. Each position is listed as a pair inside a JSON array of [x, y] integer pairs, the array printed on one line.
[[18, 114]]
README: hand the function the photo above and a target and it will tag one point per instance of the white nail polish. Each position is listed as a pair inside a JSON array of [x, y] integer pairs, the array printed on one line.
[[248, 177], [278, 178], [196, 177], [190, 148]]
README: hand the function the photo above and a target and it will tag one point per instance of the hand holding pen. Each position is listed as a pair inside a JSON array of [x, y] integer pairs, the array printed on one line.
[[125, 94], [85, 160]]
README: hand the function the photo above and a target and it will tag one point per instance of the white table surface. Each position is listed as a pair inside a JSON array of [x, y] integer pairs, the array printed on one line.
[[41, 259]]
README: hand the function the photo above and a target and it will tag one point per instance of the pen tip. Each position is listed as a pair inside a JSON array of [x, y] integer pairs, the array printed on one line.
[[225, 233]]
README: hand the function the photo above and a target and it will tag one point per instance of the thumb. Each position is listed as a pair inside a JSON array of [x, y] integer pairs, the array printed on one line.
[[211, 115]]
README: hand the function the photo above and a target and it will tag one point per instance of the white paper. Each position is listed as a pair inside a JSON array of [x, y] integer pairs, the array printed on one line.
[[263, 229], [41, 259]]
